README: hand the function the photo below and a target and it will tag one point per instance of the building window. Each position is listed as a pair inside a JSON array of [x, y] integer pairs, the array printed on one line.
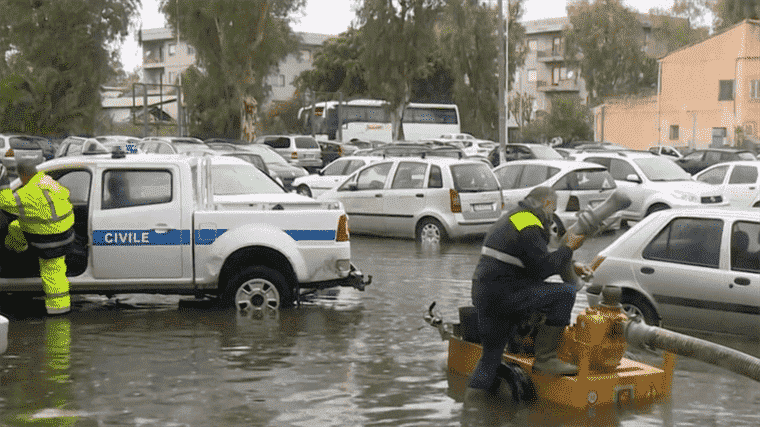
[[557, 46], [555, 75], [718, 137], [754, 89], [281, 80], [726, 90], [190, 50], [674, 132], [172, 49], [533, 45], [532, 75]]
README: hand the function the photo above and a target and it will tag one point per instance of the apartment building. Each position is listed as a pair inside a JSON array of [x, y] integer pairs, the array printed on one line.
[[545, 73], [709, 96], [164, 58]]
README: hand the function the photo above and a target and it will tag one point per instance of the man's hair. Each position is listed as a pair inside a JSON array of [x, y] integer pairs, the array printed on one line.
[[541, 194]]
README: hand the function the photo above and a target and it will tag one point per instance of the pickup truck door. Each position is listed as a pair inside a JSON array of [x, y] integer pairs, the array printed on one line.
[[137, 225]]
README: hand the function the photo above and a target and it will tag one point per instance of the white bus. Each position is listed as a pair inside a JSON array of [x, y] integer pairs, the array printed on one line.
[[370, 120]]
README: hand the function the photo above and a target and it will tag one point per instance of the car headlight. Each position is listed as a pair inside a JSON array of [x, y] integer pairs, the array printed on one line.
[[688, 197]]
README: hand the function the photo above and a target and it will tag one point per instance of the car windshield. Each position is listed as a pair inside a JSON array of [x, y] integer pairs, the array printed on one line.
[[269, 156], [473, 177], [306, 142], [586, 179], [658, 168], [241, 179]]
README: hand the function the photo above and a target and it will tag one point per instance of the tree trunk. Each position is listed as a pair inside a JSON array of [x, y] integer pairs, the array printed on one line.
[[248, 117]]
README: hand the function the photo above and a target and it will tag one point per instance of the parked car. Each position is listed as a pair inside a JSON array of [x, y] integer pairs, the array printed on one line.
[[300, 150], [519, 151], [128, 144], [47, 147], [174, 145], [31, 145], [315, 185], [687, 268], [332, 150], [739, 181], [276, 166], [78, 145], [604, 146], [430, 199], [579, 186], [653, 182], [698, 160], [666, 150]]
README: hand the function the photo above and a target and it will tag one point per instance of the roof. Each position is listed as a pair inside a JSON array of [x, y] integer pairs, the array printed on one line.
[[566, 164], [725, 30], [547, 25], [156, 34], [315, 39], [127, 101]]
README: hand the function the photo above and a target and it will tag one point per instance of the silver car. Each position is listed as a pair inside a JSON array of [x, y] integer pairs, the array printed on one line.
[[693, 269], [430, 199], [579, 186]]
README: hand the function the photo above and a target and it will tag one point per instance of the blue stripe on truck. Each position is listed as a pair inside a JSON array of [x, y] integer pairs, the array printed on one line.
[[182, 237]]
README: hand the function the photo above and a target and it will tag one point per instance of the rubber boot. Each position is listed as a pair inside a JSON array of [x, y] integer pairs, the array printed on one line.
[[547, 343]]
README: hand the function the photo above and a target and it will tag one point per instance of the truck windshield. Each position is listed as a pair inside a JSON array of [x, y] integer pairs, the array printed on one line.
[[242, 179]]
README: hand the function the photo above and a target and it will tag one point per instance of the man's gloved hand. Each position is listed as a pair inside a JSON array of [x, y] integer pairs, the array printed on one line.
[[583, 271], [573, 241]]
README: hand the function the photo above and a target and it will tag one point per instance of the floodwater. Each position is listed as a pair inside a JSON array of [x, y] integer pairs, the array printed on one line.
[[344, 358]]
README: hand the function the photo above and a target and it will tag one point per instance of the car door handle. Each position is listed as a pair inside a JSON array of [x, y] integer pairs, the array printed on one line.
[[378, 195], [742, 281], [419, 195], [647, 270], [161, 228]]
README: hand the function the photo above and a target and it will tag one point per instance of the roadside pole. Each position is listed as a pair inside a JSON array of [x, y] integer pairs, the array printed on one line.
[[503, 58]]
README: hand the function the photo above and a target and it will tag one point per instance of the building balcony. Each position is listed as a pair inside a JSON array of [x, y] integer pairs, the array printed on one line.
[[549, 56], [153, 61], [562, 86]]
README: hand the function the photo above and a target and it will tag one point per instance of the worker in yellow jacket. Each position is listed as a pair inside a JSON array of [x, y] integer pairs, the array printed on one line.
[[45, 223]]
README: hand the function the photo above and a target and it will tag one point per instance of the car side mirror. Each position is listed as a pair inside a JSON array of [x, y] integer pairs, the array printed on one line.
[[633, 178], [352, 187], [320, 172]]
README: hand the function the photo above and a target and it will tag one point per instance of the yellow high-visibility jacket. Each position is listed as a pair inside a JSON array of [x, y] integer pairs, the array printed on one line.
[[42, 205]]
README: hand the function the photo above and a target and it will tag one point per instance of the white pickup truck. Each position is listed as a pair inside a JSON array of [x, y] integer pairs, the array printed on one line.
[[202, 226]]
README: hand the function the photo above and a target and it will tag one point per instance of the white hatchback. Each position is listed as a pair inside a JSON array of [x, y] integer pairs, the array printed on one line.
[[579, 186], [739, 181], [687, 269], [653, 183], [430, 199], [315, 185]]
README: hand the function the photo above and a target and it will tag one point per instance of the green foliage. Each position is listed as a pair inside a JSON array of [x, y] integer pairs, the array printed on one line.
[[55, 56], [605, 43], [337, 67], [398, 44], [730, 12], [569, 119], [237, 44]]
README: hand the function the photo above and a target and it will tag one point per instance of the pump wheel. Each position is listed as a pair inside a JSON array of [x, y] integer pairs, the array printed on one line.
[[636, 306], [430, 230], [518, 381], [257, 288]]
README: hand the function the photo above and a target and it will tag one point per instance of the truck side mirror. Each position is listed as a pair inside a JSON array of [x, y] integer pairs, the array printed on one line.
[[633, 178]]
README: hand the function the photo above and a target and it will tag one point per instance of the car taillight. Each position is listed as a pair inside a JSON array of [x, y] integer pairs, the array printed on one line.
[[456, 205], [340, 151], [573, 205], [342, 235], [596, 262], [294, 155]]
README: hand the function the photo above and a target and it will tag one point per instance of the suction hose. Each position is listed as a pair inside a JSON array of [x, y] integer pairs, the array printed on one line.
[[639, 334], [589, 221]]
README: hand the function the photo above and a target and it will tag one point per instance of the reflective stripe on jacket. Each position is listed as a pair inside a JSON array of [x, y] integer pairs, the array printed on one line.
[[42, 205]]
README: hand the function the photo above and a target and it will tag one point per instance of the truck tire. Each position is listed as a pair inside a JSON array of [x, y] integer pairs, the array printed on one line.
[[257, 288]]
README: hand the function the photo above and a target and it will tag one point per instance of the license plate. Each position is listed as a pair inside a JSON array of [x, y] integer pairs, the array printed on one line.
[[482, 207]]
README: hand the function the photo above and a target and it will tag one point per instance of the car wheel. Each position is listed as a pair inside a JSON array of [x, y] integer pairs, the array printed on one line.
[[635, 306], [657, 207], [430, 230], [257, 288], [304, 190]]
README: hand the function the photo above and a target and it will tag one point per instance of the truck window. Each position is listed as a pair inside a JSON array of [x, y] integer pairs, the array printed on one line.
[[241, 179], [125, 188], [78, 184]]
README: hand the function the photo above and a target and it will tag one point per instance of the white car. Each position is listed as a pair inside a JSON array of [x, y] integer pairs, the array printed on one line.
[[315, 185], [429, 199], [579, 186], [653, 183], [739, 181], [687, 269]]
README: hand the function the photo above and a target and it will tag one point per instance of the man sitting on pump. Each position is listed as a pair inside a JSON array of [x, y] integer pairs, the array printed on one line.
[[509, 281]]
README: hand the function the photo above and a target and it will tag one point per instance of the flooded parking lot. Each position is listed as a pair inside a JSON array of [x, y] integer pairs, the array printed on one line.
[[344, 358]]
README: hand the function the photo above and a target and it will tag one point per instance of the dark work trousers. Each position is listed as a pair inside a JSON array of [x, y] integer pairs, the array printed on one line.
[[496, 304]]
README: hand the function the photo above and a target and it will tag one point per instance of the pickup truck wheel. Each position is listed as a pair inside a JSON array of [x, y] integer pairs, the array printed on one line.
[[257, 288], [304, 190]]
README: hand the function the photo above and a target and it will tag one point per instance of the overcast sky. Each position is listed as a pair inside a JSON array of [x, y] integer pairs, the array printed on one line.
[[334, 17]]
